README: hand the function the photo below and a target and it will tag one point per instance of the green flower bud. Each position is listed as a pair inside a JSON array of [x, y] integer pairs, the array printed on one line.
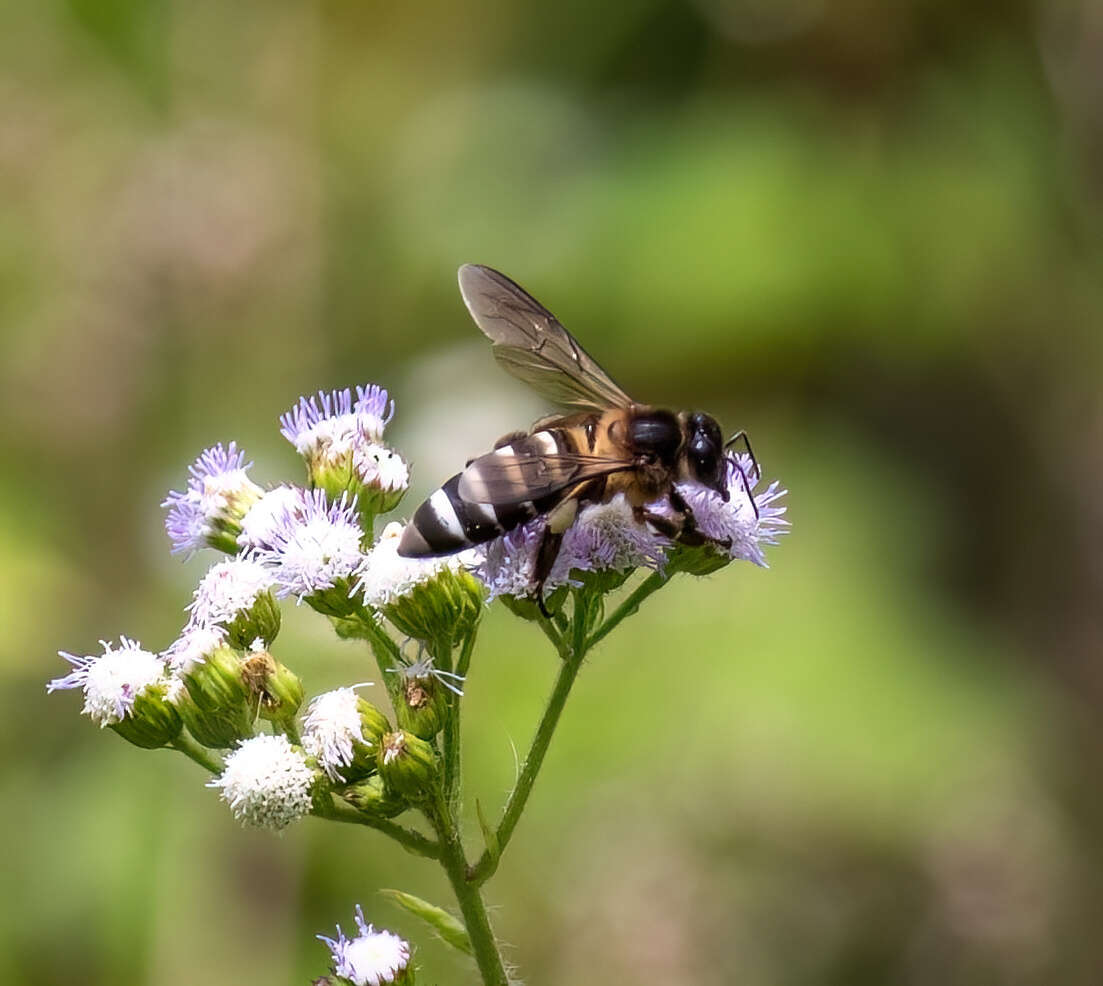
[[408, 765], [261, 621], [153, 721], [446, 607], [217, 705], [421, 705], [277, 691], [343, 732], [372, 797]]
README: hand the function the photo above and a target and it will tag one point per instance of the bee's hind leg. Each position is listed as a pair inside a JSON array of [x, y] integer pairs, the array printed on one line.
[[545, 560]]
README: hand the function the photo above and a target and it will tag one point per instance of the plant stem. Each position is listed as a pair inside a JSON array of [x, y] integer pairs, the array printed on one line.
[[652, 583], [201, 755], [452, 774], [338, 810], [568, 671], [468, 896]]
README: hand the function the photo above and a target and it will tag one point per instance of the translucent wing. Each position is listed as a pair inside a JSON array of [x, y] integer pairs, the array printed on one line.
[[504, 476], [531, 344]]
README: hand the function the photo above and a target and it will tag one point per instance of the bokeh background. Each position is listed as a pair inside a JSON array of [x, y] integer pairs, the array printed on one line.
[[869, 233]]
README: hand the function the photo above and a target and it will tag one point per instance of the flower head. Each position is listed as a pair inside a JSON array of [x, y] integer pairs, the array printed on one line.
[[112, 681], [604, 538], [372, 958], [341, 439], [193, 645], [607, 537], [424, 597], [126, 689], [733, 524], [312, 545], [266, 782], [209, 510], [342, 732], [263, 518], [332, 423], [229, 588]]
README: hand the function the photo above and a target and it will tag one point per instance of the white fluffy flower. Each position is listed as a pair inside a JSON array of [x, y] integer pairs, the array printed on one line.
[[377, 465], [112, 680], [192, 647], [266, 782], [386, 575], [372, 958], [229, 588], [331, 727]]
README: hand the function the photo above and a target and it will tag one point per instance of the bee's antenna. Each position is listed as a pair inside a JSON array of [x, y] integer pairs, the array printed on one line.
[[746, 485], [742, 436]]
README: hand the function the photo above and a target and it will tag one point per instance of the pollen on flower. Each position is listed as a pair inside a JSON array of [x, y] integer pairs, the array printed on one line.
[[372, 958], [386, 575], [228, 588], [266, 782], [331, 727], [333, 424], [218, 493], [264, 517], [312, 545], [732, 524], [112, 680]]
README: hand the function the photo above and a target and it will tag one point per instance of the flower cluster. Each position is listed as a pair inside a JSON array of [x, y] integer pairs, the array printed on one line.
[[220, 695]]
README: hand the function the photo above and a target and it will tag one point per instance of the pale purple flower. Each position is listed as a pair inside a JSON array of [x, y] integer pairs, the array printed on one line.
[[603, 537], [218, 493], [312, 544], [732, 523], [333, 424], [266, 782], [112, 680], [263, 518], [372, 958]]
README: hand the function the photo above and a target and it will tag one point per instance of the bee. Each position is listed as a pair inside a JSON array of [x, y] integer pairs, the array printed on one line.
[[607, 443]]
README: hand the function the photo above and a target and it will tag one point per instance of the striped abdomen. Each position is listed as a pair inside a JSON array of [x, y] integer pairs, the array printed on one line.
[[517, 487]]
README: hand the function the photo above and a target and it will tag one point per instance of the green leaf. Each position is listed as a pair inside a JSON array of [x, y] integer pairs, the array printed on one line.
[[489, 835], [451, 929]]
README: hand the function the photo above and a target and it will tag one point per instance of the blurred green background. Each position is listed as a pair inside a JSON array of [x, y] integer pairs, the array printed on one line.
[[868, 233]]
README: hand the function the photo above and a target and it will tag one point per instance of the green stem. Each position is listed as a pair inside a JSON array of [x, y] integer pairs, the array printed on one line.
[[468, 896], [200, 754], [338, 810], [452, 773], [568, 671], [652, 583]]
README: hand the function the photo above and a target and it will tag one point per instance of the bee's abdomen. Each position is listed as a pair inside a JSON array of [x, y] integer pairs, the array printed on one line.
[[446, 523]]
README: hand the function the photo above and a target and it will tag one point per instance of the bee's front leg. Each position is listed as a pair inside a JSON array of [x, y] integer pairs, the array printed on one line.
[[559, 519]]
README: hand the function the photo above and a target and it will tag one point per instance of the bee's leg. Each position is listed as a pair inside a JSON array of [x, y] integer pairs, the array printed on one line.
[[545, 559], [681, 527], [559, 519], [741, 436]]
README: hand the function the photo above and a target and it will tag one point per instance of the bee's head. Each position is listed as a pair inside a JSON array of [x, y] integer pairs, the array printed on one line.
[[705, 451]]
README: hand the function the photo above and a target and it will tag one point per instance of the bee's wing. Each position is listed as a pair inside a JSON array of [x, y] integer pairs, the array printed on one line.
[[532, 345], [503, 477]]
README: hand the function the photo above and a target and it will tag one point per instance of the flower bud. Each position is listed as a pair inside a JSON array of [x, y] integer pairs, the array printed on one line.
[[421, 704], [236, 595], [278, 691], [153, 721], [261, 621], [408, 765], [372, 797], [217, 706]]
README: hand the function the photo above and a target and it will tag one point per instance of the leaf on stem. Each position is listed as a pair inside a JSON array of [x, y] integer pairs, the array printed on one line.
[[449, 928]]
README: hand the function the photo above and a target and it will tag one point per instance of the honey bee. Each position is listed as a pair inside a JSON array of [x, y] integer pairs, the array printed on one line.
[[608, 444]]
